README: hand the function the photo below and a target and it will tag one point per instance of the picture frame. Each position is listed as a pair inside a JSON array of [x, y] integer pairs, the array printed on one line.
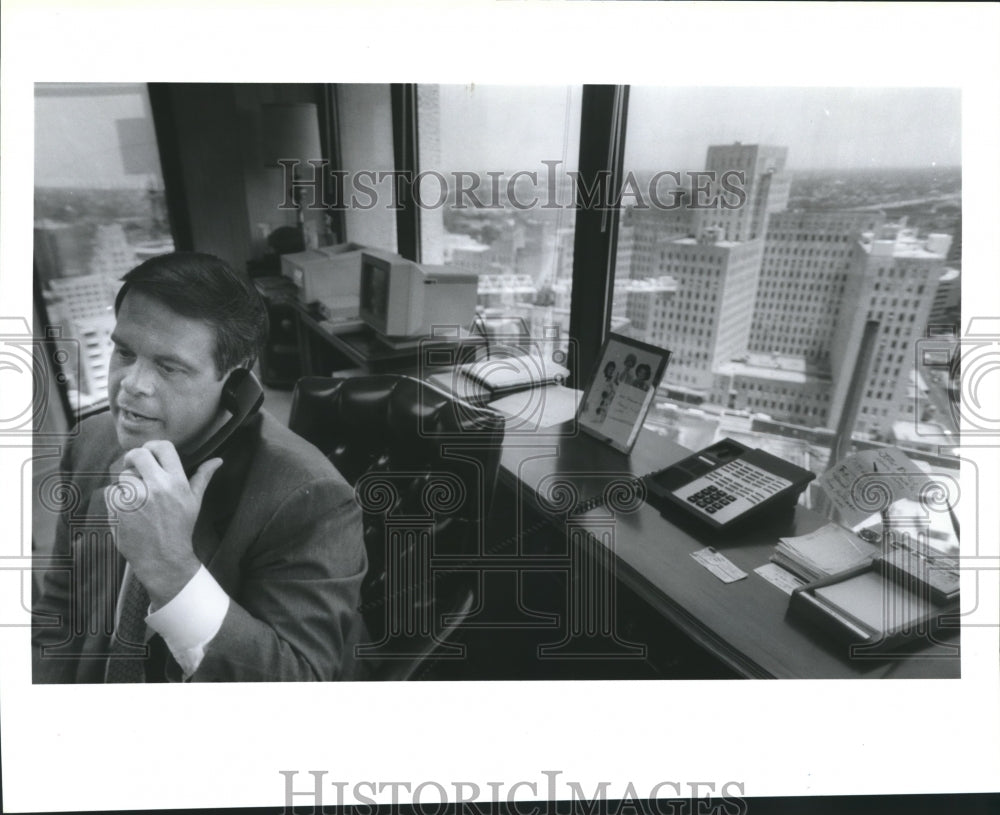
[[620, 390]]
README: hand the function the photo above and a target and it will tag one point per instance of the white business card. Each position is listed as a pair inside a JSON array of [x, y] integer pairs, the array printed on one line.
[[719, 565], [782, 578]]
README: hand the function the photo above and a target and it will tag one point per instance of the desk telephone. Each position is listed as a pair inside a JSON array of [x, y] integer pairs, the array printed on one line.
[[242, 396], [725, 484]]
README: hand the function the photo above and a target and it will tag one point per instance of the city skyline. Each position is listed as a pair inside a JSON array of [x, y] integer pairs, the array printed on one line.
[[671, 127], [667, 129]]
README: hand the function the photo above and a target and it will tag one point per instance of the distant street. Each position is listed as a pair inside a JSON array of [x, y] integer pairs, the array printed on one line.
[[955, 197]]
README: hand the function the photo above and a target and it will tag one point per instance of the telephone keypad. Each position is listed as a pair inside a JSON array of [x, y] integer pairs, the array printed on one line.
[[725, 482], [732, 489]]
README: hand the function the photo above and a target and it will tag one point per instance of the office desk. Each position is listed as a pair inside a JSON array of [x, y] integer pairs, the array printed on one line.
[[302, 344], [742, 624], [324, 350]]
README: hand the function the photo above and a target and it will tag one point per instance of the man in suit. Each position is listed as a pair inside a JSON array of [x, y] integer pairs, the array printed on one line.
[[248, 566]]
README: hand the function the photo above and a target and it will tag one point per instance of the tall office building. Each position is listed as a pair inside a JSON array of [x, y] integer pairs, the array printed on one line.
[[947, 306], [785, 371], [786, 388], [707, 320], [113, 256], [717, 266], [713, 258], [893, 280], [822, 278], [563, 262], [508, 292], [536, 252], [807, 257], [62, 249], [640, 234], [499, 257], [643, 304], [769, 306], [955, 252], [765, 183]]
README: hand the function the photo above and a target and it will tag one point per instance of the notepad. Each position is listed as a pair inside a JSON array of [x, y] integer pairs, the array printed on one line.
[[514, 372], [876, 602], [870, 606]]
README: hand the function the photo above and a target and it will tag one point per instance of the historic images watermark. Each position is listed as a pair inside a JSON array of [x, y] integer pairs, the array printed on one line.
[[363, 190], [550, 795], [41, 363], [32, 369], [587, 626], [511, 361], [559, 494], [969, 365]]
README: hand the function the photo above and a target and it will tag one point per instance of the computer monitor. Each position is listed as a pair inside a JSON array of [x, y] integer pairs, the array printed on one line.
[[328, 276], [400, 298]]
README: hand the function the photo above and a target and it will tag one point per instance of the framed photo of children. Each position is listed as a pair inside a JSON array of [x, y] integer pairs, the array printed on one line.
[[620, 390]]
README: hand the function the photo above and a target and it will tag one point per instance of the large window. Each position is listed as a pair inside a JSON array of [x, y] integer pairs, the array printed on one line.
[[496, 196], [99, 210], [364, 138], [761, 229]]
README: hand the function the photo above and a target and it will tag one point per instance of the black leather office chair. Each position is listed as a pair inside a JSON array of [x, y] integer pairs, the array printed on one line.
[[424, 467]]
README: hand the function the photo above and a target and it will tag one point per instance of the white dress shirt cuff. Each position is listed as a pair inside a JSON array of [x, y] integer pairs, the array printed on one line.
[[189, 621]]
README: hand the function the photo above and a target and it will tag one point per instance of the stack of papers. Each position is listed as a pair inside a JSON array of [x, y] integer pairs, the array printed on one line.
[[829, 550]]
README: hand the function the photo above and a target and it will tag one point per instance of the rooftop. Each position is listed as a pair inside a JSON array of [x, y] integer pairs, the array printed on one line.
[[775, 366], [905, 243], [694, 242], [453, 241], [650, 285]]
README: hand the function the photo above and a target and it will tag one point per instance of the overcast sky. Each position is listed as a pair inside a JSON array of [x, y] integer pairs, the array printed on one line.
[[493, 127], [487, 127]]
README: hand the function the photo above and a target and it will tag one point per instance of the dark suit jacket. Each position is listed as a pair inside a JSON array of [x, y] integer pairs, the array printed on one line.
[[280, 531]]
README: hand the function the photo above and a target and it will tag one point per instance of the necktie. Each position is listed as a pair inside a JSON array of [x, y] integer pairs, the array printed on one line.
[[127, 649], [127, 662]]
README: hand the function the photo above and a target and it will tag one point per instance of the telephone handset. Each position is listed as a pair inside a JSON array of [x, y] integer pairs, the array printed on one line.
[[726, 483], [242, 396]]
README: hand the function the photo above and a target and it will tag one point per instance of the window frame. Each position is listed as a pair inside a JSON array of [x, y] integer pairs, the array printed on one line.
[[603, 115]]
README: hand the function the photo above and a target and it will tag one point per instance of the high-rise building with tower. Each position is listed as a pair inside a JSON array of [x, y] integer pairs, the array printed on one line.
[[707, 320], [807, 257], [765, 185], [893, 281]]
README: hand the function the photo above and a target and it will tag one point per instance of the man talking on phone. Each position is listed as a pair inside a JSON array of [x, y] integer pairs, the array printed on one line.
[[202, 540]]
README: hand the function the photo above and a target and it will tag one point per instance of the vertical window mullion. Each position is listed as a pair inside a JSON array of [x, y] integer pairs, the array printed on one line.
[[602, 141], [405, 149], [329, 130]]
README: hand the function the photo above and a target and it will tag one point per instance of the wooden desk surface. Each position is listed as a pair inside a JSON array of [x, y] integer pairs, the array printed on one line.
[[365, 349], [744, 623]]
